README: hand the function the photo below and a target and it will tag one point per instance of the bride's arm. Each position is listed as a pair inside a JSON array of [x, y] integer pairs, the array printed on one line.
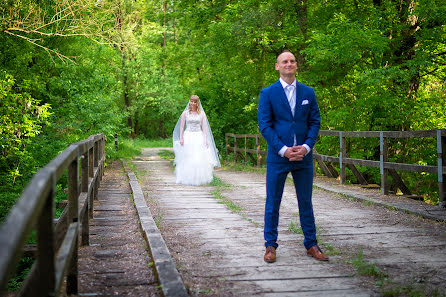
[[183, 120]]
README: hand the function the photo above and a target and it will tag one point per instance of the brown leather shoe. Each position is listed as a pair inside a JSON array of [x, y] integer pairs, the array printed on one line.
[[316, 253], [270, 255]]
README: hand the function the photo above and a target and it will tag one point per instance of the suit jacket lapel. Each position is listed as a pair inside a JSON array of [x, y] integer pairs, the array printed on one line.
[[299, 95], [282, 96]]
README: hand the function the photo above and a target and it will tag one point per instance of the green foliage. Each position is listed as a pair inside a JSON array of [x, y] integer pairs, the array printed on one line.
[[167, 155], [22, 270], [217, 182], [129, 147], [22, 119], [294, 227], [7, 200], [365, 268], [375, 65]]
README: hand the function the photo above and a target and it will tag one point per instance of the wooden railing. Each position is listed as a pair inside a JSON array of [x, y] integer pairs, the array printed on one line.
[[56, 251], [344, 161]]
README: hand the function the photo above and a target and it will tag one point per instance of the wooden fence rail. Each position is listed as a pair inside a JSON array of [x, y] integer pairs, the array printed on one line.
[[57, 240], [344, 161]]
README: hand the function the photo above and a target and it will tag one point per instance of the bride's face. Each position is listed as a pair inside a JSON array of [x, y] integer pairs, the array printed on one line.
[[193, 104]]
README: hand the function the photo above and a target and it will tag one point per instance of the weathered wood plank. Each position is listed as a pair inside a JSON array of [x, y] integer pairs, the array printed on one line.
[[357, 174], [115, 262], [390, 134], [399, 182], [19, 221], [65, 254], [28, 211], [332, 170]]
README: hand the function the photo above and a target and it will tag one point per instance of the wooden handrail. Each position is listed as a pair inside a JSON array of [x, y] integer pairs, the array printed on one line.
[[344, 161], [35, 209], [388, 134]]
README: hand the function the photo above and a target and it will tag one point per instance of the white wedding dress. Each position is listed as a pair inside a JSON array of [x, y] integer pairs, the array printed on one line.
[[194, 160]]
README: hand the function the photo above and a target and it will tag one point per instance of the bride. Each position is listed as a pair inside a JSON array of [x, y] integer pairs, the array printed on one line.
[[194, 147]]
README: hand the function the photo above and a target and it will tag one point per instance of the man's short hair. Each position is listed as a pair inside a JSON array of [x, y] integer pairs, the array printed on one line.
[[282, 52]]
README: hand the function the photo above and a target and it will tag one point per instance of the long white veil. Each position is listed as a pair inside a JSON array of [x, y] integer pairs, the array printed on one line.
[[206, 128]]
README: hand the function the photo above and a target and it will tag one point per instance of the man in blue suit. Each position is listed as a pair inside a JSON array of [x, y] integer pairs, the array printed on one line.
[[289, 120]]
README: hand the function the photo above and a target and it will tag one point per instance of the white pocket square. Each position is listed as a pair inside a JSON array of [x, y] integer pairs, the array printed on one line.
[[305, 102]]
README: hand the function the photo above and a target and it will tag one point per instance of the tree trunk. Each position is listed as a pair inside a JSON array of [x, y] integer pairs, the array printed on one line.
[[301, 11]]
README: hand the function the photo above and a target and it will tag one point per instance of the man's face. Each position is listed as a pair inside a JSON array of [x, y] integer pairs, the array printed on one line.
[[286, 64]]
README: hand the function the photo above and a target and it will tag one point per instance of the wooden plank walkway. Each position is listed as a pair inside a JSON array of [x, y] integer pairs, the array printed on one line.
[[220, 253], [217, 244], [370, 195], [117, 262]]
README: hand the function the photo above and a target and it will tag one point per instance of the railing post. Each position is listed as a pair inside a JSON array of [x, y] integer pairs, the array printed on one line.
[[91, 171], [383, 158], [257, 150], [96, 154], [246, 155], [84, 189], [227, 144], [341, 157], [441, 160], [235, 148], [102, 156], [90, 162], [73, 212], [84, 171], [96, 164], [45, 248], [116, 141]]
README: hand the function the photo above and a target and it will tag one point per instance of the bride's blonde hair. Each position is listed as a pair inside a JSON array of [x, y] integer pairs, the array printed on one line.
[[195, 97]]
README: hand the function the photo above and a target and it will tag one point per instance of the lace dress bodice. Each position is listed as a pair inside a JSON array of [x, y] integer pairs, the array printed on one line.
[[193, 122]]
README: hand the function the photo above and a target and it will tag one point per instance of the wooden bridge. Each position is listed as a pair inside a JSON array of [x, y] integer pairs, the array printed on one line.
[[252, 146], [144, 235]]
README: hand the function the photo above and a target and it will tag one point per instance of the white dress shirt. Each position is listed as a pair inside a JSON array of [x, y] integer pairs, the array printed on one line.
[[290, 92]]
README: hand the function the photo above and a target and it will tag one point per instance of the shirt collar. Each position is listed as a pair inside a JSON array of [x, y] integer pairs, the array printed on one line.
[[285, 84]]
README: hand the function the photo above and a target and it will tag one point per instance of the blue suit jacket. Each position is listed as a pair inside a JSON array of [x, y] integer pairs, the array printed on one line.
[[278, 126]]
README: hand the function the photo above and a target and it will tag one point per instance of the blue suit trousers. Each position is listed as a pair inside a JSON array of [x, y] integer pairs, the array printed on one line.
[[302, 174]]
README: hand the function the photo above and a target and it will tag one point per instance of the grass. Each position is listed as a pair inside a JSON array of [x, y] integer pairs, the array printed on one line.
[[218, 184], [257, 224], [231, 165], [363, 267], [129, 148], [368, 203], [295, 228], [388, 288], [166, 155], [23, 268], [410, 291], [158, 221], [223, 200], [329, 249], [157, 213], [134, 169]]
